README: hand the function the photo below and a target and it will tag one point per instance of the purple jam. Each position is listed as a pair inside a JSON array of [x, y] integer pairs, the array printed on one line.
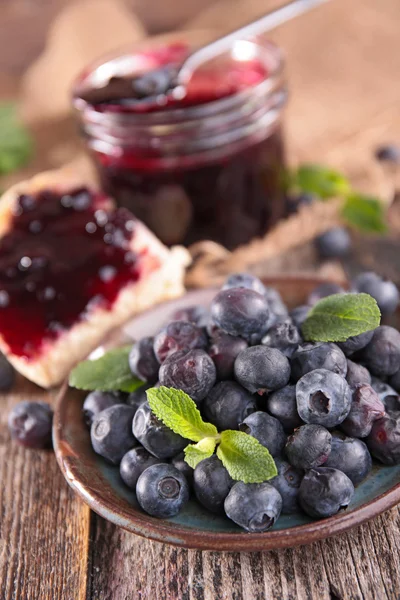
[[227, 188], [63, 255]]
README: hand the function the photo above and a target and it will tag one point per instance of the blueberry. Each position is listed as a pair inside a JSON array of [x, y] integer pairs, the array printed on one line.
[[223, 350], [244, 280], [366, 407], [97, 401], [383, 290], [287, 482], [253, 506], [382, 355], [240, 311], [7, 374], [30, 424], [138, 397], [133, 463], [191, 371], [284, 336], [277, 307], [323, 291], [111, 432], [299, 314], [323, 398], [309, 446], [351, 456], [267, 430], [357, 374], [212, 483], [198, 315], [384, 440], [324, 491], [293, 204], [319, 355], [227, 405], [388, 396], [154, 83], [260, 369], [389, 153], [282, 405], [178, 336], [162, 491], [179, 463], [334, 243], [143, 362], [394, 381], [157, 438], [355, 343]]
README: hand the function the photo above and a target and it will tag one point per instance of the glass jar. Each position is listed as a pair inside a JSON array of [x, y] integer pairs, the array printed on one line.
[[206, 166]]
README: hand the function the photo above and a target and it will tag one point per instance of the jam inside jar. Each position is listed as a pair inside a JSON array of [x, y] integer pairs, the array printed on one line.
[[208, 165]]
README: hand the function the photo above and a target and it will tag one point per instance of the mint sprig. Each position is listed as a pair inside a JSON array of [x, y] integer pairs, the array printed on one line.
[[365, 213], [195, 453], [16, 145], [320, 181], [340, 316], [245, 458]]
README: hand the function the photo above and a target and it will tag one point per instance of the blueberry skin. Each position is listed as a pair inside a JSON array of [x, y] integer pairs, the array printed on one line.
[[282, 405], [191, 371], [394, 381], [7, 374], [178, 336], [382, 355], [162, 491], [267, 430], [244, 280], [277, 307], [260, 369], [241, 312], [97, 401], [111, 432], [356, 342], [227, 405], [323, 290], [223, 350], [324, 491], [138, 397], [383, 290], [389, 152], [198, 315], [299, 315], [308, 447], [351, 456], [388, 396], [30, 424], [323, 398], [212, 482], [179, 463], [287, 482], [284, 336], [366, 407], [384, 440], [157, 438], [253, 506], [334, 243], [357, 374], [143, 362], [133, 463], [319, 355]]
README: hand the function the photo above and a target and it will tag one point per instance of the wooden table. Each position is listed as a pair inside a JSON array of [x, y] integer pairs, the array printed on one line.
[[343, 62]]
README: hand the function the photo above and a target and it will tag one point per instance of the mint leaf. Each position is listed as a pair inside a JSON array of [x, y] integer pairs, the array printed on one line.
[[110, 372], [245, 458], [364, 213], [178, 412], [16, 144], [340, 316], [195, 453], [320, 181]]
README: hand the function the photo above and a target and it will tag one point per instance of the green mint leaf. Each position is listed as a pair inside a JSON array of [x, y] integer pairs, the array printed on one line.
[[110, 372], [178, 412], [364, 213], [245, 458], [320, 181], [340, 316], [195, 453], [16, 144]]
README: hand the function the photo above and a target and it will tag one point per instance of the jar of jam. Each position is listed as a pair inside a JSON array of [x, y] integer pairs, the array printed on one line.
[[207, 165]]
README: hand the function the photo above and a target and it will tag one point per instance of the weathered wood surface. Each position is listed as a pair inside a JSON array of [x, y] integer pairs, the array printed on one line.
[[343, 63]]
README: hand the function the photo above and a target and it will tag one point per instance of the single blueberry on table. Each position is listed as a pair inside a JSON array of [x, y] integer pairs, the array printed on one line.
[[383, 290], [157, 438], [282, 405], [133, 463], [382, 355], [284, 336], [261, 369], [7, 374], [384, 440], [267, 430], [323, 398], [244, 280], [323, 291], [212, 482], [309, 446], [227, 405], [111, 432], [318, 355], [351, 456], [224, 349], [357, 374], [287, 482], [334, 243], [253, 506], [356, 342], [97, 401], [388, 153], [191, 371], [198, 315], [178, 336], [241, 312], [324, 491], [162, 491], [179, 463], [143, 362], [366, 407], [30, 424]]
